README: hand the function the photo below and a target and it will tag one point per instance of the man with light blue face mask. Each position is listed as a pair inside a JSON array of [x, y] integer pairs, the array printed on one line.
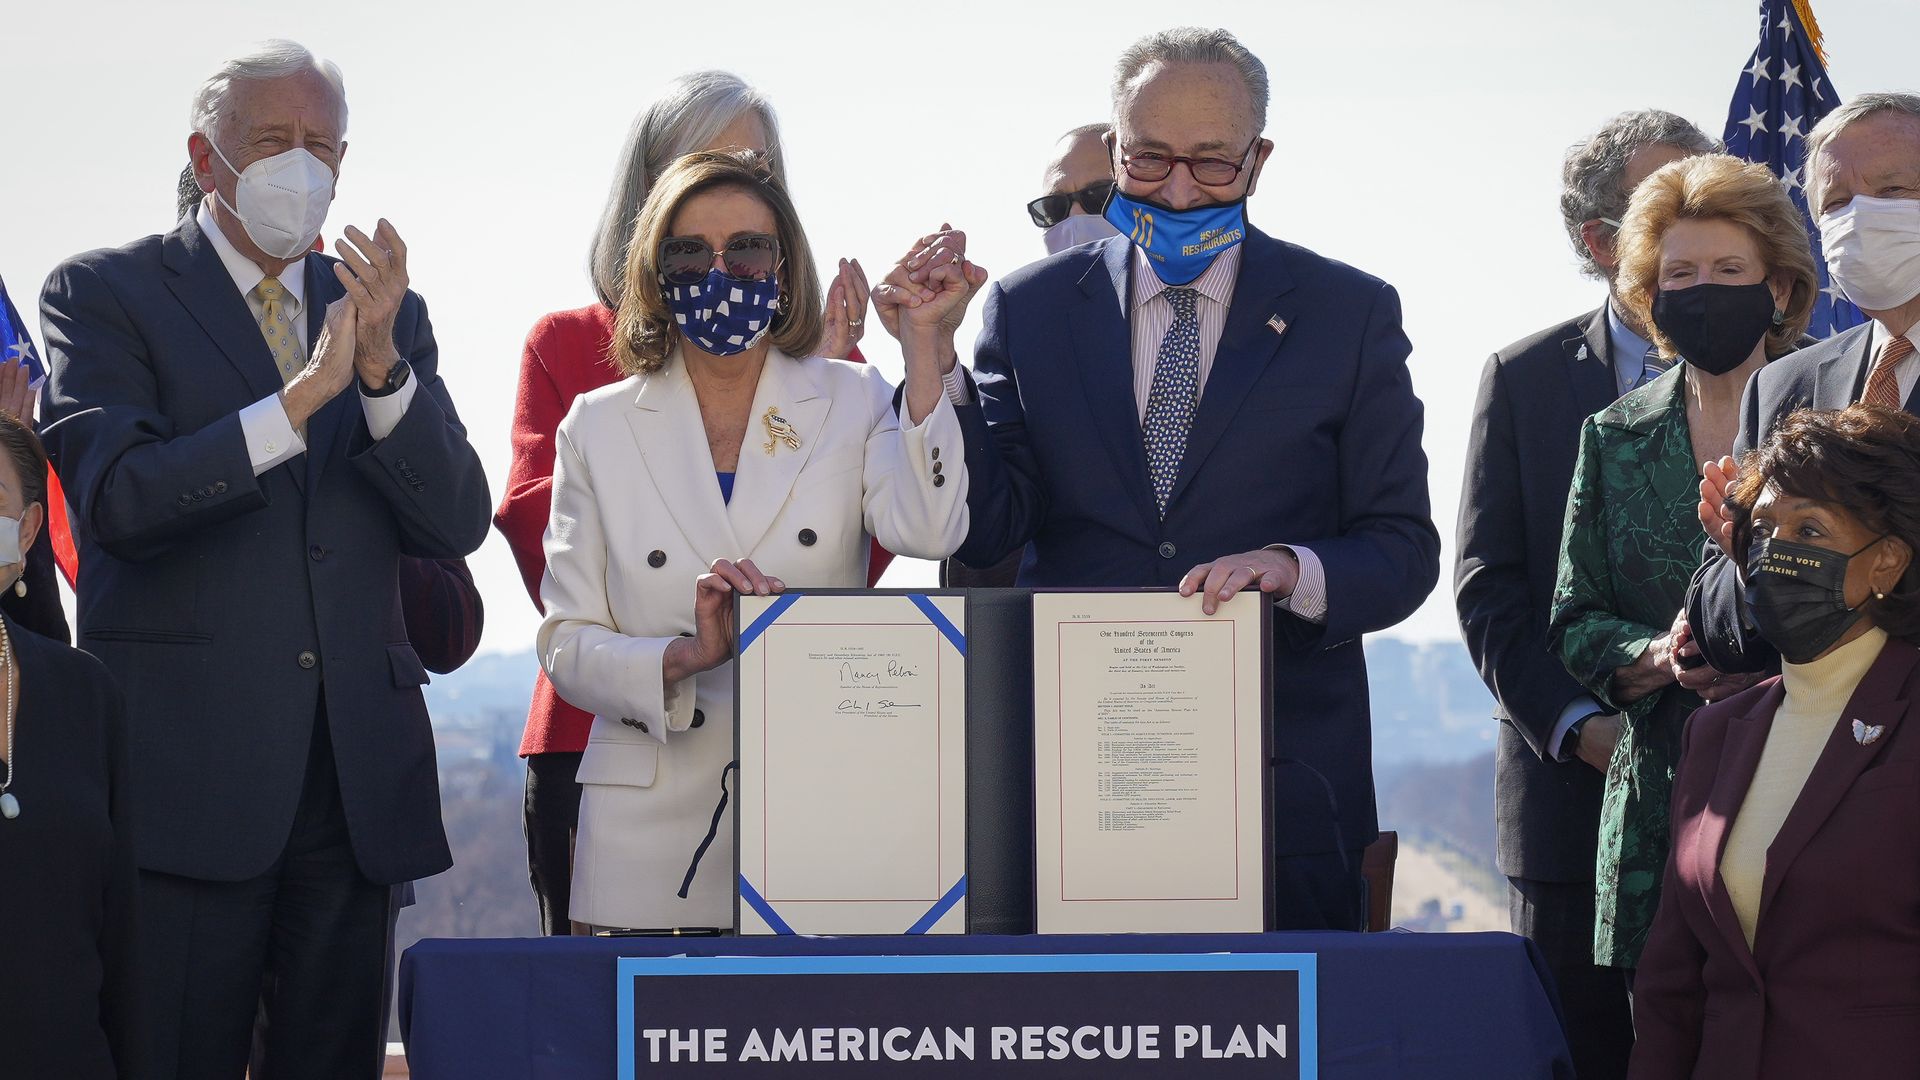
[[1863, 184], [1197, 405], [251, 434]]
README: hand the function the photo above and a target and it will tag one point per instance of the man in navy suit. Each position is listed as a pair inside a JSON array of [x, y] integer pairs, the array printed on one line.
[[1555, 740], [1863, 181], [1203, 406], [252, 435]]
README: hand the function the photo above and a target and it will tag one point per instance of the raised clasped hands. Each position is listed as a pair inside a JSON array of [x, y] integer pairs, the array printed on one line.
[[712, 642], [1271, 570], [373, 269], [929, 290]]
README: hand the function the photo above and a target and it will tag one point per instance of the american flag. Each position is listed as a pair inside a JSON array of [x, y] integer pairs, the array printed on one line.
[[1781, 95]]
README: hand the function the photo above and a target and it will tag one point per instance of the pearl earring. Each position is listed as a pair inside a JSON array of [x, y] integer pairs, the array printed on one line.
[[20, 588]]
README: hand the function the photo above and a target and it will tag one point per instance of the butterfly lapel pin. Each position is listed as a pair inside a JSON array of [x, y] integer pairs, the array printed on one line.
[[1867, 736]]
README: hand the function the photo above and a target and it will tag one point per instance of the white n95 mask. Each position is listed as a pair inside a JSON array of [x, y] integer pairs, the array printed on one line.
[[283, 200], [1076, 230], [1873, 250]]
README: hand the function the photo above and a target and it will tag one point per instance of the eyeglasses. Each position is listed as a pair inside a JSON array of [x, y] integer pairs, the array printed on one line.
[[685, 260], [1050, 210], [1213, 172]]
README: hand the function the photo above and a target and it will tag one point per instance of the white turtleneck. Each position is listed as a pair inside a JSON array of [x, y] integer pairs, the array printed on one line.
[[1817, 695]]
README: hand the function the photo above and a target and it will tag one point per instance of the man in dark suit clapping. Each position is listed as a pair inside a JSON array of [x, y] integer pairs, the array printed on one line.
[[1555, 739], [252, 435]]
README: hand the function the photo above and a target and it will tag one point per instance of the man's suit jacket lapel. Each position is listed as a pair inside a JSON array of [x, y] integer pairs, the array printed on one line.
[[762, 480], [202, 285], [1248, 343], [666, 426], [1839, 379], [1879, 700], [1101, 337], [1590, 365]]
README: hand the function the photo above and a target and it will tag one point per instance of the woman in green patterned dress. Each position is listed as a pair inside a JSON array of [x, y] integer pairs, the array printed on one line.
[[1715, 258]]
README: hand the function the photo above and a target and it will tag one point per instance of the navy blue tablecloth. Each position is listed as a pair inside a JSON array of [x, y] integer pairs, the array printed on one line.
[[1392, 1006]]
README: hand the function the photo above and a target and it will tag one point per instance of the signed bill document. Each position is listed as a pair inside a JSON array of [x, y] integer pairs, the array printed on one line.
[[1150, 763], [851, 811]]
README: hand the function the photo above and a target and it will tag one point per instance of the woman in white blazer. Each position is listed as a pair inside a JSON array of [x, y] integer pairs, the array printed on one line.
[[731, 459]]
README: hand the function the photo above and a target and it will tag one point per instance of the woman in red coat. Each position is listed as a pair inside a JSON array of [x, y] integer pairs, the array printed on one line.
[[1787, 944], [566, 356]]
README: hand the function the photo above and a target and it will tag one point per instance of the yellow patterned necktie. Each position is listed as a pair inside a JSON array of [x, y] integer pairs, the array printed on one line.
[[276, 325]]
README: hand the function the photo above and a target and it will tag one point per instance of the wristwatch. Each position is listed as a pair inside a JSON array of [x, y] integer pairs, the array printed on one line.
[[397, 377], [1570, 742]]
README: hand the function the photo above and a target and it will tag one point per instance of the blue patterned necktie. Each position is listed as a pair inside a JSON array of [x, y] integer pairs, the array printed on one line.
[[1171, 398], [1652, 367]]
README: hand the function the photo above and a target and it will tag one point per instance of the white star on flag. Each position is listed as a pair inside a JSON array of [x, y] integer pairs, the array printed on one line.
[[1791, 76], [1755, 123], [1759, 70], [1791, 129], [1785, 24]]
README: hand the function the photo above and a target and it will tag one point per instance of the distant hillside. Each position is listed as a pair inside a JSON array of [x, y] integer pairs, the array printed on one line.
[[1428, 702]]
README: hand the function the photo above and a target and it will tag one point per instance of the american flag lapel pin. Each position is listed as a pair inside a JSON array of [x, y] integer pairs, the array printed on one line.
[[1278, 325]]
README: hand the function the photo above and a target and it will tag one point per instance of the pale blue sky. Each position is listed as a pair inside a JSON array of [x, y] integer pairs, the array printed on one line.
[[1417, 139]]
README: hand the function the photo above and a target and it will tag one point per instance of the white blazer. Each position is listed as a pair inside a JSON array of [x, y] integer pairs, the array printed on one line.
[[637, 516]]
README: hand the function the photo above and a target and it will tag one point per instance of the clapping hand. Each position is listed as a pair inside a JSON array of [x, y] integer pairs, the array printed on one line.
[[846, 311], [329, 369], [16, 390], [1716, 483], [374, 271]]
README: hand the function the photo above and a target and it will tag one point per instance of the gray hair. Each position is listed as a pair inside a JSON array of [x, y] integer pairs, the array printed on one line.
[[275, 59], [1191, 45], [1593, 177], [692, 113], [1859, 107]]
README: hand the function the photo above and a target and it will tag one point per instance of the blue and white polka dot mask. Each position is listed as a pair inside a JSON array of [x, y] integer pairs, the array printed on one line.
[[722, 315]]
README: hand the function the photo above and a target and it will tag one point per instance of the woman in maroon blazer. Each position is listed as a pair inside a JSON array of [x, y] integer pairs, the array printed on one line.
[[566, 356], [1788, 939]]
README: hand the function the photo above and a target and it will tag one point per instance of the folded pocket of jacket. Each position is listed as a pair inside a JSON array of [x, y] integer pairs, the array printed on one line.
[[627, 764]]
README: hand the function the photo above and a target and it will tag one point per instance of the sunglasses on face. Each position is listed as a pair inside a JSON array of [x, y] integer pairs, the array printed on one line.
[[685, 260], [1213, 172], [1050, 210]]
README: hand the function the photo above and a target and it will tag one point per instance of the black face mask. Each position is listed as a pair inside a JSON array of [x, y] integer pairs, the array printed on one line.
[[1715, 327], [1796, 595]]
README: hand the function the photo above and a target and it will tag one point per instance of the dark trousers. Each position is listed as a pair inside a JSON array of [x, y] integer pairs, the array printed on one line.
[[1558, 917], [550, 815], [291, 958], [1319, 892]]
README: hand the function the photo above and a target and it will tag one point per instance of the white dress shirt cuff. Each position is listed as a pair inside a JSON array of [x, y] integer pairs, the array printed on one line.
[[269, 434], [1309, 596], [1577, 710], [956, 384], [384, 413]]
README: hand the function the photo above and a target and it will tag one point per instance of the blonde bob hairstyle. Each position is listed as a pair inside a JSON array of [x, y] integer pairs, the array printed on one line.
[[644, 334], [1724, 188]]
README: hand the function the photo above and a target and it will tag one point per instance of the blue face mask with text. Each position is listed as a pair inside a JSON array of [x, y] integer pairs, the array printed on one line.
[[1180, 244], [723, 315]]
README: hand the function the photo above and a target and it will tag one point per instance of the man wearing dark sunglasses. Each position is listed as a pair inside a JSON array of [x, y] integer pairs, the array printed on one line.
[[1196, 404], [1077, 181]]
